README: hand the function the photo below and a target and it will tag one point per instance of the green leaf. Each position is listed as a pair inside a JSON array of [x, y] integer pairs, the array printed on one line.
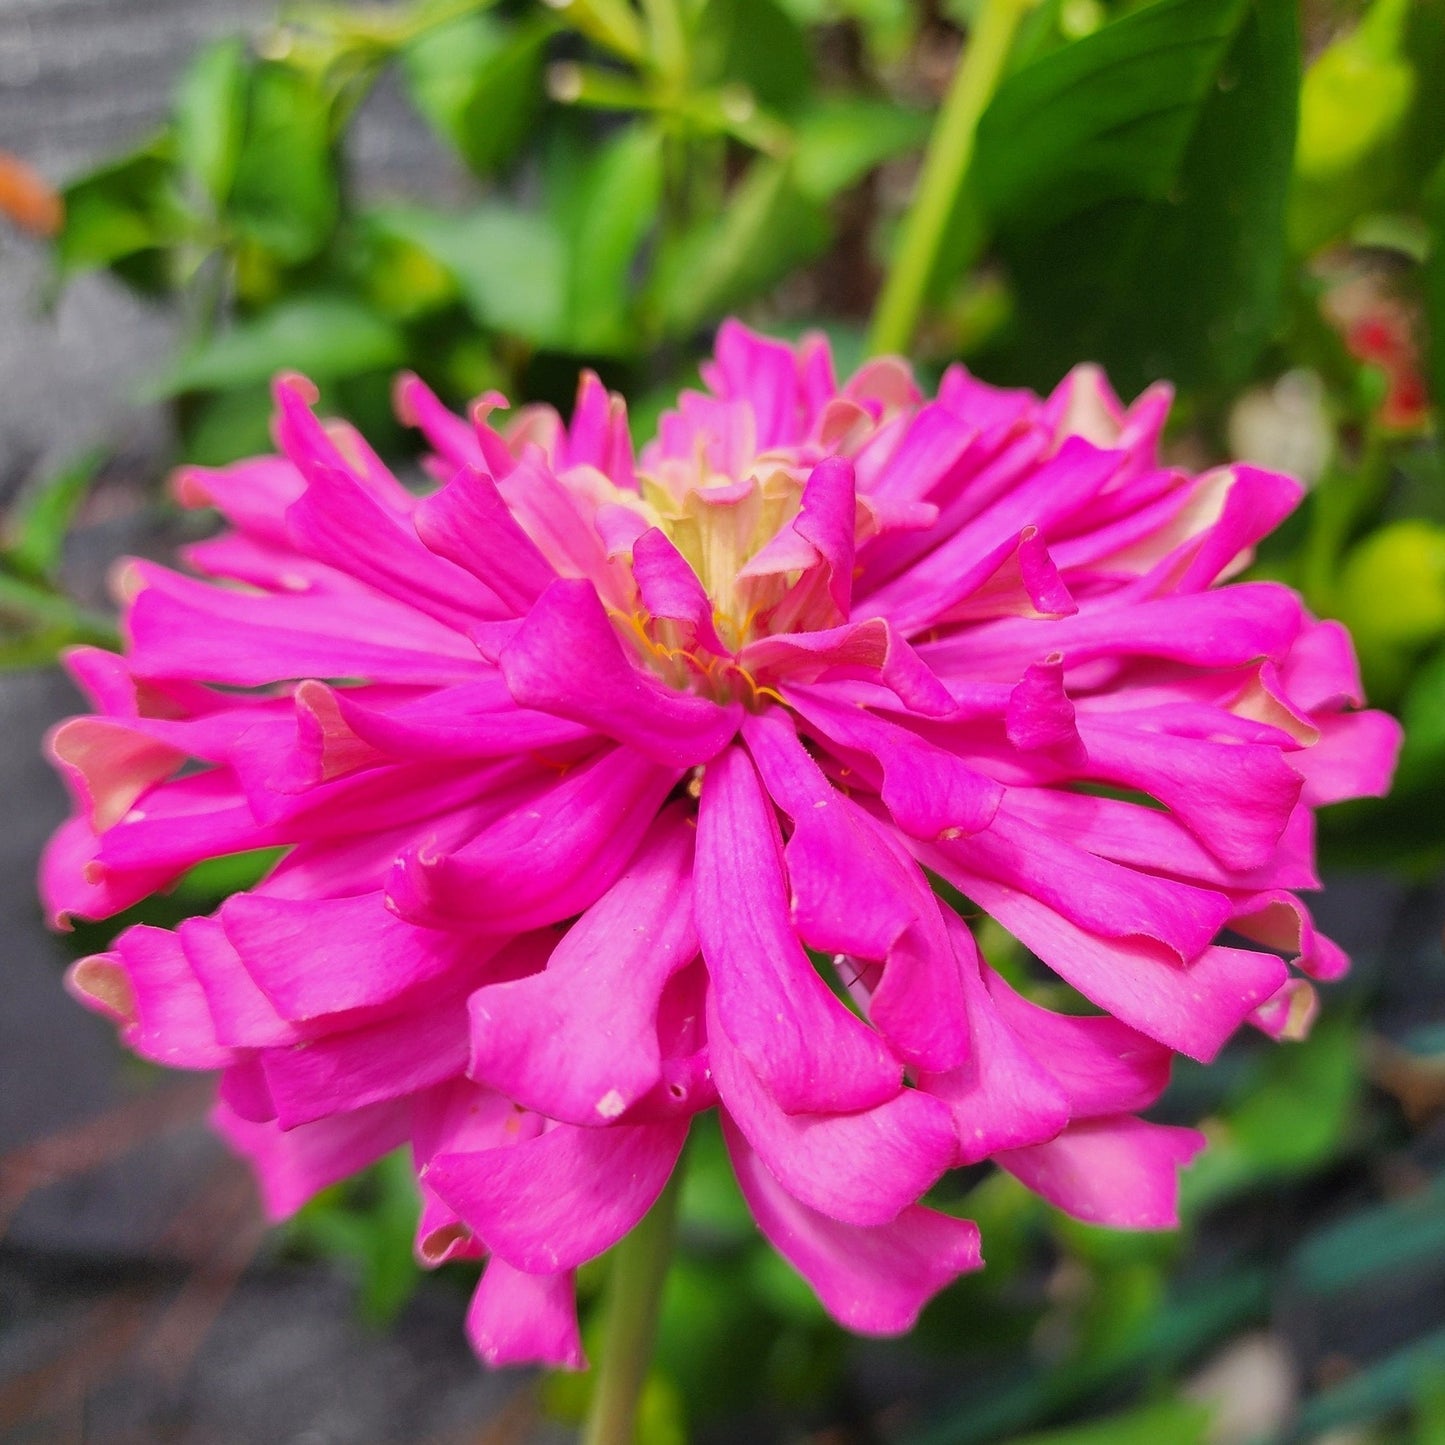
[[1405, 1234], [1430, 1409], [616, 208], [478, 81], [321, 335], [202, 886], [227, 425], [127, 211], [840, 140], [1180, 1422], [1376, 1391], [767, 227], [33, 649], [1189, 1321], [1292, 1116], [758, 44], [510, 265], [36, 534], [1137, 181], [285, 196], [209, 116]]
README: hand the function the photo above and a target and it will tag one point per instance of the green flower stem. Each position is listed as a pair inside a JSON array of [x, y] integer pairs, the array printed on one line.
[[949, 151], [639, 1268], [668, 34], [613, 24]]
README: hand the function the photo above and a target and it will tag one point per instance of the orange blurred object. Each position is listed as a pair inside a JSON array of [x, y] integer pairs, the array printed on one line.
[[28, 199]]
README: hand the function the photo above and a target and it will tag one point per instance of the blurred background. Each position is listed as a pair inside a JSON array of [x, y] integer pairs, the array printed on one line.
[[1240, 195]]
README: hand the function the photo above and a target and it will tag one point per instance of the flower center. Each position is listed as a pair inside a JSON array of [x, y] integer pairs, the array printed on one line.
[[723, 527]]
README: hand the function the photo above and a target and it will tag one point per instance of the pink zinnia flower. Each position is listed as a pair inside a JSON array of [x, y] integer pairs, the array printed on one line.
[[611, 793]]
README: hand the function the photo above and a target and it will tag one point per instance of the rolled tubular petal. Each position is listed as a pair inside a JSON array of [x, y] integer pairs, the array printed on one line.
[[860, 1168], [873, 1280], [811, 1054], [517, 1318], [1118, 1171], [579, 1041], [540, 664], [555, 1201], [542, 862]]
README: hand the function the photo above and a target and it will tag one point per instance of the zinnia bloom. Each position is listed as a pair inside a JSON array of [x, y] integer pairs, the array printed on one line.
[[616, 790]]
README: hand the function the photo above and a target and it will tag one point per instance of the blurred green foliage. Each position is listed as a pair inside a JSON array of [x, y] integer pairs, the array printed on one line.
[[1245, 196]]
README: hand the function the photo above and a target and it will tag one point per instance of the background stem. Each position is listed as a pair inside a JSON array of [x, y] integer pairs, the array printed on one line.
[[639, 1268], [950, 149]]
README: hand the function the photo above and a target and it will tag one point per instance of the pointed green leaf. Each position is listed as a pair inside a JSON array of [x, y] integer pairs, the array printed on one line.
[[323, 336], [285, 196], [124, 215], [478, 81], [510, 265], [840, 140], [1180, 1422], [210, 116], [767, 227], [1137, 181], [613, 214]]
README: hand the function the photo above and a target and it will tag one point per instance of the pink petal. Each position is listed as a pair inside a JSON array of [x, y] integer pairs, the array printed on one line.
[[670, 588], [553, 1202], [579, 1041], [609, 693], [598, 435], [854, 891], [146, 985], [547, 859], [872, 1280], [293, 1165], [472, 720], [812, 1055], [1321, 672], [1102, 1065], [1003, 1094], [1354, 758], [1228, 627], [1018, 579], [313, 957], [1105, 898], [871, 650], [181, 628], [468, 522], [1118, 1171], [517, 1318], [1040, 717], [930, 792], [762, 372], [252, 495], [1236, 798], [1193, 1008], [1059, 489], [244, 1017], [336, 521], [861, 1168], [416, 405]]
